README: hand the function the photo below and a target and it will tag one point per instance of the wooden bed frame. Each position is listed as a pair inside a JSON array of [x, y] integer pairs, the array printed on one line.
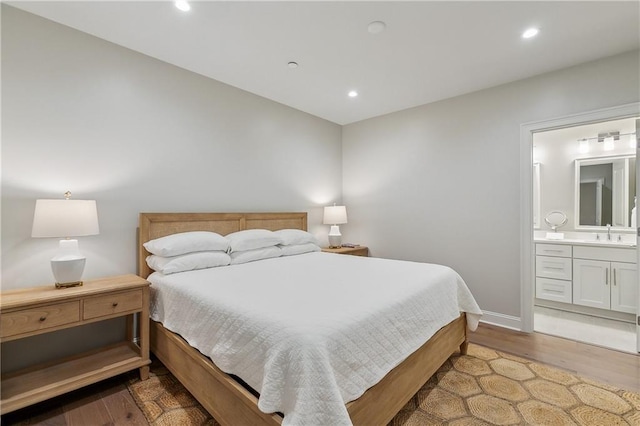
[[231, 403]]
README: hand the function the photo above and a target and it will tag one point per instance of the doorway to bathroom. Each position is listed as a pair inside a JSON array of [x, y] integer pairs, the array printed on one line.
[[580, 278]]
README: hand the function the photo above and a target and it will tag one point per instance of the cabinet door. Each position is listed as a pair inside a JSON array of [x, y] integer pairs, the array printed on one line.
[[624, 288], [591, 280]]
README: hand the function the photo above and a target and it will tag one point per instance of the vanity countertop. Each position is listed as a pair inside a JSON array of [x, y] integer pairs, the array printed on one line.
[[587, 242]]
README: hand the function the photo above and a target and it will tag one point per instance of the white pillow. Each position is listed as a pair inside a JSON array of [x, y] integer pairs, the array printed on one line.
[[187, 242], [299, 249], [295, 236], [252, 239], [256, 254], [188, 262]]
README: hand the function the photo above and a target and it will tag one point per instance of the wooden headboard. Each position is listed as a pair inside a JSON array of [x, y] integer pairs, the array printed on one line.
[[156, 225]]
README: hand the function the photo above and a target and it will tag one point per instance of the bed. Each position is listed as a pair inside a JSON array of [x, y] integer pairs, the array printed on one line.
[[227, 398]]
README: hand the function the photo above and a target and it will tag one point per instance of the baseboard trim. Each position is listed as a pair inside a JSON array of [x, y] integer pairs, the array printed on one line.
[[501, 320]]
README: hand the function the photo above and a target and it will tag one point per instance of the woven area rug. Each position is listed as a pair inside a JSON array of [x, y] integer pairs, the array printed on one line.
[[484, 387]]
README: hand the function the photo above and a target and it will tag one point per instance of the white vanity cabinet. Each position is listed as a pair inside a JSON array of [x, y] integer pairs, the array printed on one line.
[[605, 278], [588, 275]]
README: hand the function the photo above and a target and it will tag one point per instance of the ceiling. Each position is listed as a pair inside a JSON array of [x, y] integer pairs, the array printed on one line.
[[429, 51]]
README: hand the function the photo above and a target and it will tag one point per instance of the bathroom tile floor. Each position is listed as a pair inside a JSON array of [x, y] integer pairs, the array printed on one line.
[[585, 328]]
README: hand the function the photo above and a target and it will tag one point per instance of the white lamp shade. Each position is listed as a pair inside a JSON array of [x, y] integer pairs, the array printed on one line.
[[335, 215], [65, 218]]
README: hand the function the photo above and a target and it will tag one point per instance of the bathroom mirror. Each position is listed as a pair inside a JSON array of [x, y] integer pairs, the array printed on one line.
[[605, 189], [555, 220]]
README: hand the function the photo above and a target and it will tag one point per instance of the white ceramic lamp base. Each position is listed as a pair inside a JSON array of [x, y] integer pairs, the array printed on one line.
[[68, 265], [335, 237]]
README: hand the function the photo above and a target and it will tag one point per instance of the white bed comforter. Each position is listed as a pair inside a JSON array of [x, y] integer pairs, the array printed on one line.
[[314, 331]]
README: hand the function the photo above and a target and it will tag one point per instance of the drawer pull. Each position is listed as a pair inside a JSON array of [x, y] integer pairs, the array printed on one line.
[[114, 304], [42, 318], [606, 277], [555, 251], [615, 280]]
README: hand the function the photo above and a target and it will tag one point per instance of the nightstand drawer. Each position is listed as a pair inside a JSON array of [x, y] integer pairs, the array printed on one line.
[[101, 306], [34, 319]]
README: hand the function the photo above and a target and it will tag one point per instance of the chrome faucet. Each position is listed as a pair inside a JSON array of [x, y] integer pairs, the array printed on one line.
[[608, 232]]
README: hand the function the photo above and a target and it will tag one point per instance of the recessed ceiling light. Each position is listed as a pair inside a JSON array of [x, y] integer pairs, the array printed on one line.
[[292, 64], [353, 94], [183, 5], [376, 27], [531, 32]]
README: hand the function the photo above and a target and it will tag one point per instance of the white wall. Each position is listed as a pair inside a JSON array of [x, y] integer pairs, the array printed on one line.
[[441, 182], [140, 135]]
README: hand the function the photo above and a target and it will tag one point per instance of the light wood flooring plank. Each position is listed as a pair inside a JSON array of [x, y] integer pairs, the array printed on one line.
[[122, 407], [88, 410], [54, 417]]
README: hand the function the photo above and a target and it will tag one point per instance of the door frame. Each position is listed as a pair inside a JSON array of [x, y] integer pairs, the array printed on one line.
[[637, 235], [527, 130]]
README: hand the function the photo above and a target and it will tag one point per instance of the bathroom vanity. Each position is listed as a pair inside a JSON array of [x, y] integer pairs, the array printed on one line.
[[592, 274]]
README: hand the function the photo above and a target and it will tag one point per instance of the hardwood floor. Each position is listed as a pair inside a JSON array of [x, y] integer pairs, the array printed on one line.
[[620, 369], [109, 402], [105, 403]]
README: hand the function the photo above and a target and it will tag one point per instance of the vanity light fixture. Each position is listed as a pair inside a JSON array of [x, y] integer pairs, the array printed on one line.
[[608, 143], [608, 139], [602, 137], [183, 5], [584, 146]]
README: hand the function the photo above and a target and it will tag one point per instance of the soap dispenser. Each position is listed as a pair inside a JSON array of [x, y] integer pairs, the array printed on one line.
[[634, 214]]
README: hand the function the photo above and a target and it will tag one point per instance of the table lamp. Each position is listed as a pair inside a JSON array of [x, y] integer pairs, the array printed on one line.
[[66, 218], [334, 216]]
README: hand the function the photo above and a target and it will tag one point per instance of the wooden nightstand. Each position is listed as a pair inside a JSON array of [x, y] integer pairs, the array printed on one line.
[[31, 311], [353, 251]]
